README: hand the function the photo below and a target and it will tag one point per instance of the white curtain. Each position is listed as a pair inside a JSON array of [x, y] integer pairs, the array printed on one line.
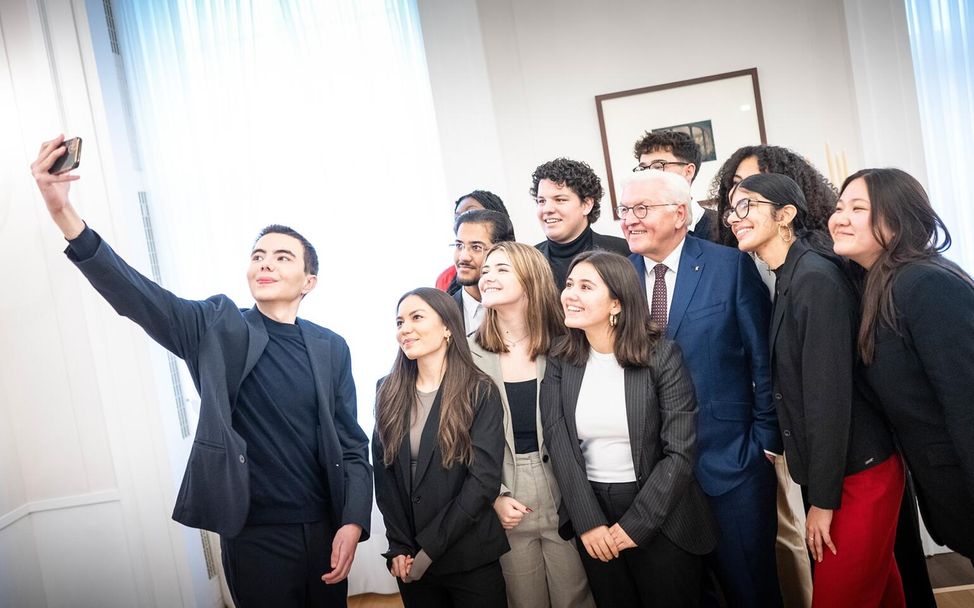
[[315, 114], [942, 40]]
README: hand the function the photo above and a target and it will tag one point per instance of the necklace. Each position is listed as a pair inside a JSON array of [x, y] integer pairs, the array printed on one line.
[[512, 343]]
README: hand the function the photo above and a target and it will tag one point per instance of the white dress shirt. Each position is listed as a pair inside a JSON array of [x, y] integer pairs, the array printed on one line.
[[672, 263], [473, 312]]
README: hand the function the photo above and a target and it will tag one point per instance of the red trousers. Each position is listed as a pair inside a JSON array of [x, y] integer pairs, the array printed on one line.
[[863, 572]]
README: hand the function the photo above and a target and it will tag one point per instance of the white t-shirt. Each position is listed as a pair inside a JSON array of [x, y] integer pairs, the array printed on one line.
[[602, 422]]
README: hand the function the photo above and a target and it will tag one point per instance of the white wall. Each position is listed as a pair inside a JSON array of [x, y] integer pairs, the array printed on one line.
[[86, 487], [526, 94]]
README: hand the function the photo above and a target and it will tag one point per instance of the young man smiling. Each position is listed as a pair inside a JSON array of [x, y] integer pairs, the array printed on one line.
[[567, 194], [279, 466]]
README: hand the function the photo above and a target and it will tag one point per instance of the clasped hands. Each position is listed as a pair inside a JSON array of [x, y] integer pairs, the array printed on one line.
[[605, 543]]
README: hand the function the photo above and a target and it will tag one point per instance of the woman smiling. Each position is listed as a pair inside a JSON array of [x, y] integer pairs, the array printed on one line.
[[838, 447]]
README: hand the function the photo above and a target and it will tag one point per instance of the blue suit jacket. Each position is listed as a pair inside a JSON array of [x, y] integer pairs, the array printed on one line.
[[720, 316]]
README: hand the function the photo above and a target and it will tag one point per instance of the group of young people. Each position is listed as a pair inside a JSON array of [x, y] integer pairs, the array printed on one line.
[[595, 420]]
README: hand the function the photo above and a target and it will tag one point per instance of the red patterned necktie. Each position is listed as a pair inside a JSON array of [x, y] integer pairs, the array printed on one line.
[[658, 307]]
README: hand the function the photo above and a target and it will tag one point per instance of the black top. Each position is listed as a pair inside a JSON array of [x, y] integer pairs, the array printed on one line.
[[829, 428], [277, 415], [924, 378], [522, 397], [560, 255]]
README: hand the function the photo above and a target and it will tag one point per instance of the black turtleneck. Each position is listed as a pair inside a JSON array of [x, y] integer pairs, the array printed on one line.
[[560, 255]]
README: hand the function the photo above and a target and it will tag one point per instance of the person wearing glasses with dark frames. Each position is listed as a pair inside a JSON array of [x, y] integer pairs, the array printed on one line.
[[839, 448], [710, 300], [677, 153]]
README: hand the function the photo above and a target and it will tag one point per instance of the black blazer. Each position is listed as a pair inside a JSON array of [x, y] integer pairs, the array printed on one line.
[[220, 344], [662, 413], [829, 428], [924, 378], [446, 512]]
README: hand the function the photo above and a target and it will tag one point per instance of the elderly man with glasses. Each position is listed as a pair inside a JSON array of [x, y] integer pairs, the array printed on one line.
[[710, 300]]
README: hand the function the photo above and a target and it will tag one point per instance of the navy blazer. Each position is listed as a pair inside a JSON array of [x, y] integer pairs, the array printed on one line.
[[220, 344], [720, 316]]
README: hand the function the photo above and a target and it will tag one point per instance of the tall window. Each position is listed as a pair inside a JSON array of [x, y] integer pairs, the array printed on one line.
[[313, 114], [942, 40]]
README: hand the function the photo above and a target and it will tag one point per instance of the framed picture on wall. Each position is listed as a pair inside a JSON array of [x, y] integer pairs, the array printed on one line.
[[721, 112]]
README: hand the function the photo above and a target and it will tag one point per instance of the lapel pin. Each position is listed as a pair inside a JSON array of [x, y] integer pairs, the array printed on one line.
[[696, 269]]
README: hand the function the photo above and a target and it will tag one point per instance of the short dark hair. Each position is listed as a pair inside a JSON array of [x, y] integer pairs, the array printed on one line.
[[679, 144], [501, 228], [577, 176], [486, 198], [310, 255], [635, 335]]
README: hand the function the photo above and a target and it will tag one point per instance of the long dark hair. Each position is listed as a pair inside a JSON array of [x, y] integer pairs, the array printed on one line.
[[635, 336], [819, 192], [909, 231], [462, 387]]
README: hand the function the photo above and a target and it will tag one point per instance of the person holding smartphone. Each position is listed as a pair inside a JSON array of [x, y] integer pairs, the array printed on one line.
[[438, 447], [279, 466]]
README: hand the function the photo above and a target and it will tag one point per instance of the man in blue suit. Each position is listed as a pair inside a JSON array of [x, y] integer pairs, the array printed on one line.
[[710, 300]]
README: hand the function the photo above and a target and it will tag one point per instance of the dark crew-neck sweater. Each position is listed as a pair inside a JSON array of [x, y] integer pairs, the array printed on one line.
[[277, 414]]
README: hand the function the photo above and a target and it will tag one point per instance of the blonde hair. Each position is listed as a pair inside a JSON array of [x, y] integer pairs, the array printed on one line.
[[545, 319]]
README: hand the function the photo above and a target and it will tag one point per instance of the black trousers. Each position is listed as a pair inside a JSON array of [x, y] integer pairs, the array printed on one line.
[[481, 587], [281, 565], [656, 574]]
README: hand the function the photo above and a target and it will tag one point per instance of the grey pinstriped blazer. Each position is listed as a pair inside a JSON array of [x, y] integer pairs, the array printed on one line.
[[662, 411]]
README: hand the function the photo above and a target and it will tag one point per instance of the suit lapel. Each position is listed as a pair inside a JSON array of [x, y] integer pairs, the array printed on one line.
[[636, 411], [541, 364], [639, 262], [571, 384], [256, 342], [782, 286], [490, 364], [428, 441], [320, 356], [687, 278]]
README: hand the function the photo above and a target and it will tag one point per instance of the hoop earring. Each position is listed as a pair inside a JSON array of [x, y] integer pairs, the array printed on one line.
[[789, 235], [613, 319]]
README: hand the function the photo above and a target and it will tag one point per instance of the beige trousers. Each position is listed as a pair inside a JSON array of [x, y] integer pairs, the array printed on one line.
[[541, 569], [794, 565]]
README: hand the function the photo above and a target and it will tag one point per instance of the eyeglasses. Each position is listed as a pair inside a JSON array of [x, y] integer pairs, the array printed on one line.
[[639, 210], [476, 248], [741, 208], [658, 165]]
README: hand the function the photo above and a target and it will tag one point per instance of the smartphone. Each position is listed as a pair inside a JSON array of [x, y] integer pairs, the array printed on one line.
[[71, 158]]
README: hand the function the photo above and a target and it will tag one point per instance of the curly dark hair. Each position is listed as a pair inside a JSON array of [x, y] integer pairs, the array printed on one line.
[[577, 176], [819, 192], [680, 145]]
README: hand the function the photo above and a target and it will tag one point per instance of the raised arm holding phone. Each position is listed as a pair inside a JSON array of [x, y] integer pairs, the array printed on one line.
[[279, 465]]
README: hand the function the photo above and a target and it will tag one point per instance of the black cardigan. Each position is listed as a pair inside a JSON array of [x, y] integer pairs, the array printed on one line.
[[924, 378], [829, 428]]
